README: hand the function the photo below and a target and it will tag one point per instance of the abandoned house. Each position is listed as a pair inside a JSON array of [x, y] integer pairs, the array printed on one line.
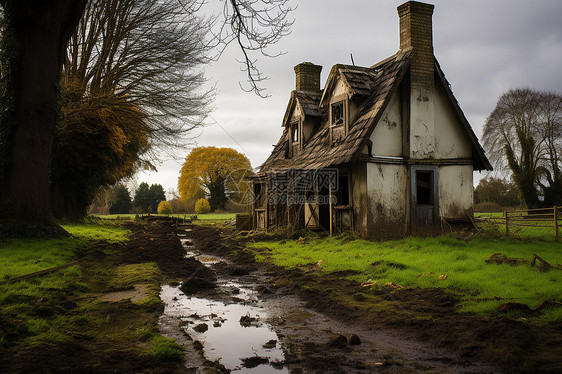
[[384, 151]]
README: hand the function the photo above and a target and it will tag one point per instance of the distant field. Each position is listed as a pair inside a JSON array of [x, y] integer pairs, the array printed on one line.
[[445, 262], [218, 217]]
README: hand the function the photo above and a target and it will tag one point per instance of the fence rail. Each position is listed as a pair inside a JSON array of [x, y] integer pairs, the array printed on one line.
[[530, 223]]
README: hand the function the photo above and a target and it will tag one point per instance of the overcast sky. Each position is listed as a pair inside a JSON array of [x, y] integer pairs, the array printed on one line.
[[484, 47]]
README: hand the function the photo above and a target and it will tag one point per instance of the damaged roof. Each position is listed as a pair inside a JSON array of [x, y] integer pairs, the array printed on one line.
[[308, 101], [317, 151], [376, 84]]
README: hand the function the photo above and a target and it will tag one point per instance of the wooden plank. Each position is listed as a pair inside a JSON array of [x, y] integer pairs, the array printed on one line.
[[555, 223], [38, 273]]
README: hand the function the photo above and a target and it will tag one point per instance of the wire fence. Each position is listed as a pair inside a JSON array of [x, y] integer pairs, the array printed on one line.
[[544, 223]]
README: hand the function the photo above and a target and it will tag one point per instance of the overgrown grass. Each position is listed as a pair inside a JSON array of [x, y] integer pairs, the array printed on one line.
[[66, 305], [443, 262], [34, 309]]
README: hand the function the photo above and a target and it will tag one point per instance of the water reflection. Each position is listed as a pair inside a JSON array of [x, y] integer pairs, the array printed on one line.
[[227, 339]]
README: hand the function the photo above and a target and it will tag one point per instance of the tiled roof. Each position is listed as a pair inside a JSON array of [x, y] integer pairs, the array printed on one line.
[[309, 101], [361, 82], [377, 83]]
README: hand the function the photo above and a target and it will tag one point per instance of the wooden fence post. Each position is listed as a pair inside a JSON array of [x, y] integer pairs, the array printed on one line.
[[506, 223], [555, 223]]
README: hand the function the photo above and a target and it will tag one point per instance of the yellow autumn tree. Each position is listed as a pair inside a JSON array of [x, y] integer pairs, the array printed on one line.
[[164, 207], [222, 173]]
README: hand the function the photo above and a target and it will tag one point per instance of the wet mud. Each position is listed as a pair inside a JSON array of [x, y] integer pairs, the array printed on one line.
[[245, 324]]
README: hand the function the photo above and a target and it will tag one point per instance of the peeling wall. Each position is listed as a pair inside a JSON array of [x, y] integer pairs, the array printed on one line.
[[388, 201], [422, 124], [450, 138], [387, 136], [455, 191], [339, 88]]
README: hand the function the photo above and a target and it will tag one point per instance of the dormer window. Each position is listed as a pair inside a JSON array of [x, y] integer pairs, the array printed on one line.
[[338, 114], [295, 132]]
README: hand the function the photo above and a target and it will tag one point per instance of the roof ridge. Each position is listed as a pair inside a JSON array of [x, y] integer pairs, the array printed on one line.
[[401, 53]]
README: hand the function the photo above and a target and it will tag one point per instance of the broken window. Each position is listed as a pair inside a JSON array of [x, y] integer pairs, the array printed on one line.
[[424, 187], [337, 114], [295, 132]]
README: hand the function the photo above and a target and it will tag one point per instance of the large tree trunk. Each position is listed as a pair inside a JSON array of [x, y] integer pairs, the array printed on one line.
[[42, 29]]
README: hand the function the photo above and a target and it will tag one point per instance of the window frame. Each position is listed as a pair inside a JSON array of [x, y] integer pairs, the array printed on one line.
[[340, 103], [295, 136]]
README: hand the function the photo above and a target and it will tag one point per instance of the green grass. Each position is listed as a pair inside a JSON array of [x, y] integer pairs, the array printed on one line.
[[24, 256], [33, 305], [34, 308], [205, 219], [419, 262], [70, 304], [216, 216]]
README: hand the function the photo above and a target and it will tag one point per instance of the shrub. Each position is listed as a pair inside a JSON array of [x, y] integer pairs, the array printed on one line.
[[164, 207], [488, 207], [202, 206]]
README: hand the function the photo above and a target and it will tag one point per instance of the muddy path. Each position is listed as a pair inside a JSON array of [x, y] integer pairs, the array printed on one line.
[[231, 318]]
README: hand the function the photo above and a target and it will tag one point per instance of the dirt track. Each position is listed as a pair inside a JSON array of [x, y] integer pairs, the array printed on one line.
[[419, 331], [312, 341], [314, 318]]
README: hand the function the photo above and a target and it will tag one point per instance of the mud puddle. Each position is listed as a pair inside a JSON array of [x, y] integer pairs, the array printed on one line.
[[232, 334], [231, 331]]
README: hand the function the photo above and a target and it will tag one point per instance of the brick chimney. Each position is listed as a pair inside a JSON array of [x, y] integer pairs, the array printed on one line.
[[416, 33], [308, 76]]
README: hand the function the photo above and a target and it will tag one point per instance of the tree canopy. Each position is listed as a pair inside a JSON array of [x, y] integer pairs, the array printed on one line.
[[39, 32], [221, 172], [164, 207], [147, 198], [131, 85], [524, 135], [498, 191], [123, 203]]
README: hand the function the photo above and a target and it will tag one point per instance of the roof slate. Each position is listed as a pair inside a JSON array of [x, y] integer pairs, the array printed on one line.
[[376, 86], [377, 83]]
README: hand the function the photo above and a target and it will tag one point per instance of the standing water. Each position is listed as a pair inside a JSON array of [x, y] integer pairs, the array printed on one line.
[[236, 334]]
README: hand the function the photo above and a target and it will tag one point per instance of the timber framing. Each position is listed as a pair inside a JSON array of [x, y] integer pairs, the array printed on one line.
[[384, 151]]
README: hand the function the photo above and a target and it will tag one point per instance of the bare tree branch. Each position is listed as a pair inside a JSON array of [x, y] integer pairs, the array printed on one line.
[[254, 26], [524, 135]]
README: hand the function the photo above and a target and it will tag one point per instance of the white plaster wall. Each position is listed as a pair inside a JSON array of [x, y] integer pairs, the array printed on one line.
[[297, 112], [387, 136], [339, 88], [451, 140], [422, 124], [455, 191], [386, 189]]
